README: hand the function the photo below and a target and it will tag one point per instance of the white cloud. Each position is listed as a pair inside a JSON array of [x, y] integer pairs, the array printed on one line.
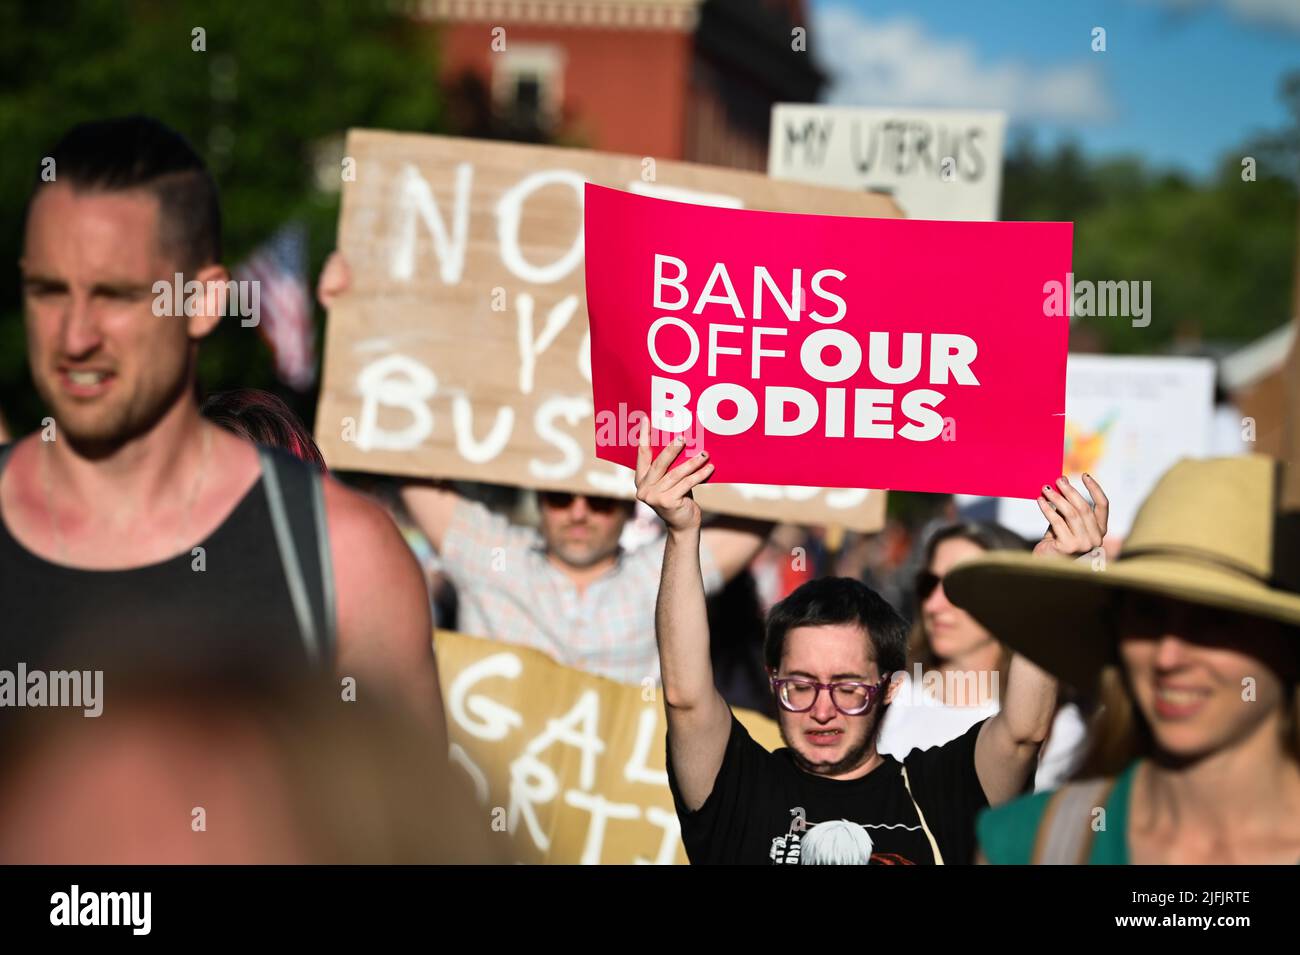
[[1285, 13], [896, 62]]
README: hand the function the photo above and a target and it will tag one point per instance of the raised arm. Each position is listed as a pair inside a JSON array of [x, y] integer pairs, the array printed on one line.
[[432, 506], [1007, 749], [734, 542], [699, 721]]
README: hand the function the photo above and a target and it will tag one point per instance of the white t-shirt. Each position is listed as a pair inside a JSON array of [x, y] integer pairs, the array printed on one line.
[[916, 720]]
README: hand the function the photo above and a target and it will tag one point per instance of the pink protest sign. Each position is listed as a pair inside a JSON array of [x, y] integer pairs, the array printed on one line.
[[829, 351]]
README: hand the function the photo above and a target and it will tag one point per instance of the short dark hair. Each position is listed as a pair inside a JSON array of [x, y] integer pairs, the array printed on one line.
[[137, 152], [835, 600], [263, 418]]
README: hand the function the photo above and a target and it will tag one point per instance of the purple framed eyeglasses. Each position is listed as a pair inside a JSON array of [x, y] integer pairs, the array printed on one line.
[[799, 695]]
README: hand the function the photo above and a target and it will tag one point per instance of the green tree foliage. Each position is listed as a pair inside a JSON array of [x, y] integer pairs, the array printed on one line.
[[278, 84], [1219, 254]]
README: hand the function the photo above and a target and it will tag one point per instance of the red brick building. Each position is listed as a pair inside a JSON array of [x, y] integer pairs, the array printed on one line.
[[675, 79]]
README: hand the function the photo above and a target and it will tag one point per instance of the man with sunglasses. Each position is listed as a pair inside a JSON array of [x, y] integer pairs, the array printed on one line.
[[832, 648], [567, 588]]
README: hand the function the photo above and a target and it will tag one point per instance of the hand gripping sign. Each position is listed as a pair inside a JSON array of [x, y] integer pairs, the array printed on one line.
[[830, 351]]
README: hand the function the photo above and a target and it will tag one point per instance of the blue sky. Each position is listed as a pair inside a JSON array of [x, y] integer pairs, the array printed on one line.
[[1181, 83]]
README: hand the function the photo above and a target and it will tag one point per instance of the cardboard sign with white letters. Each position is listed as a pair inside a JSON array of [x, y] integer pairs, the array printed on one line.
[[461, 349], [571, 765]]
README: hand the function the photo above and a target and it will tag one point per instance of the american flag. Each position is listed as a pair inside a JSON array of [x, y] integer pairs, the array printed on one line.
[[279, 266]]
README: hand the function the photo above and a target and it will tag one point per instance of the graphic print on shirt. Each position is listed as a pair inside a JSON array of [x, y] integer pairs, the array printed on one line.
[[833, 842]]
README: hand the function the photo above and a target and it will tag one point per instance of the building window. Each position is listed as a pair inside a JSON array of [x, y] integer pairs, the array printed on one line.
[[527, 87]]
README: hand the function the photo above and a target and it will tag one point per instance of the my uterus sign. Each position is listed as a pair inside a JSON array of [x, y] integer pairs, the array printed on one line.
[[829, 351]]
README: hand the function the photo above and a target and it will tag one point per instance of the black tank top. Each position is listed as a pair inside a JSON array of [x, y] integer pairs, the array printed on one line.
[[257, 601]]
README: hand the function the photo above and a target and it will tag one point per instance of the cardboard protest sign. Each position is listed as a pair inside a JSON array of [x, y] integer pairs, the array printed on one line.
[[572, 765], [830, 351], [937, 164], [1127, 421], [461, 349]]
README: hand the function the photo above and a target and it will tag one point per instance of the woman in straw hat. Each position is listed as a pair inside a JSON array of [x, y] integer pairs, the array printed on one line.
[[1192, 639]]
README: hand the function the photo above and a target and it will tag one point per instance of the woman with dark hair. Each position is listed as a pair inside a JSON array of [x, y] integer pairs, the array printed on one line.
[[1193, 638], [957, 668], [263, 418]]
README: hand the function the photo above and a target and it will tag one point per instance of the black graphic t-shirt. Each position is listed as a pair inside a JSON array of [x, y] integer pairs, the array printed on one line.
[[765, 810]]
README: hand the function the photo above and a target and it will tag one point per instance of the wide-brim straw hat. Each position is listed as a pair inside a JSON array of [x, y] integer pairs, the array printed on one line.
[[1211, 533]]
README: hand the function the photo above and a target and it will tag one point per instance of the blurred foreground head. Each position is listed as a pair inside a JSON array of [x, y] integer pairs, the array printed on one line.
[[219, 774]]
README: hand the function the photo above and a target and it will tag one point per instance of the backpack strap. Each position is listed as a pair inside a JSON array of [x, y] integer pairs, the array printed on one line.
[[1065, 833], [934, 843], [296, 498]]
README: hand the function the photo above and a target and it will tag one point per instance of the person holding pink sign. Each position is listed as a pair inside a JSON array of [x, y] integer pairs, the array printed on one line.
[[828, 797]]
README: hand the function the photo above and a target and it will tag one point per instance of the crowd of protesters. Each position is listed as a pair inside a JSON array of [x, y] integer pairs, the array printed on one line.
[[202, 554]]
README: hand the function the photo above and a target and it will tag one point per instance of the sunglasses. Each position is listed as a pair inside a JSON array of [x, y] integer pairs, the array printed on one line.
[[563, 500], [926, 582]]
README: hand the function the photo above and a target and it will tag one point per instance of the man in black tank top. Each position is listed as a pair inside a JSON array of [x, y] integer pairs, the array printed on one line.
[[134, 535]]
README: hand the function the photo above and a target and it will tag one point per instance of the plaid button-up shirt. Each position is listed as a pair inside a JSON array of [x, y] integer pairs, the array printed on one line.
[[508, 590]]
